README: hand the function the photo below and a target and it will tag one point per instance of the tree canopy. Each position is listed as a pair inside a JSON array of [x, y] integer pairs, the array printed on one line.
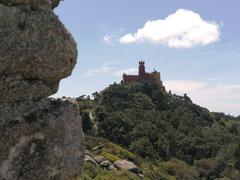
[[157, 125]]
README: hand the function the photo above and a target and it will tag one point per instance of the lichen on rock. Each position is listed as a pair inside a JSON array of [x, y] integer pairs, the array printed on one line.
[[47, 4], [36, 48], [40, 138]]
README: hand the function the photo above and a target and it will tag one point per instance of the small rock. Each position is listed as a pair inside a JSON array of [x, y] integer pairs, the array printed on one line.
[[99, 159], [111, 167], [88, 158], [87, 152], [105, 164], [141, 176], [126, 165], [98, 147]]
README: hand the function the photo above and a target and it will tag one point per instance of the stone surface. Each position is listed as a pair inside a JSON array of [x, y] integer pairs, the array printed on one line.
[[141, 176], [41, 3], [36, 51], [105, 164], [112, 168], [126, 165], [87, 152], [40, 140], [99, 159], [88, 158], [98, 147]]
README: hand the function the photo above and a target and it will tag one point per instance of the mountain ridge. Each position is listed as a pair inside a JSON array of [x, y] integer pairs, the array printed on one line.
[[159, 126]]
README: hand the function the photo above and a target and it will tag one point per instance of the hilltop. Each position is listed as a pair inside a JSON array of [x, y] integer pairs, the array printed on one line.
[[160, 127]]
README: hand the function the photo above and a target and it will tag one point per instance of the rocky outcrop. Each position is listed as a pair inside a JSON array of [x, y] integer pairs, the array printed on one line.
[[40, 138], [36, 52], [126, 165], [119, 165], [47, 4]]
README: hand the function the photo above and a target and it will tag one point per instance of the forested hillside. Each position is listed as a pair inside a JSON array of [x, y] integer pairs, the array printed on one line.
[[164, 128]]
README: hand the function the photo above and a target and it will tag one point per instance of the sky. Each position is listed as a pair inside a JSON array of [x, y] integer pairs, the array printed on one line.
[[194, 44]]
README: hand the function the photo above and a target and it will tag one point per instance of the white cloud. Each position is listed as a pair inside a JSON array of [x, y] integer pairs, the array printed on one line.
[[183, 86], [111, 37], [215, 96], [109, 63], [197, 65], [108, 39], [98, 71], [127, 71], [106, 68], [109, 68], [183, 29]]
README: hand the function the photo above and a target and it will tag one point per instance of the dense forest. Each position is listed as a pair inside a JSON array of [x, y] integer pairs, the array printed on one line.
[[177, 138]]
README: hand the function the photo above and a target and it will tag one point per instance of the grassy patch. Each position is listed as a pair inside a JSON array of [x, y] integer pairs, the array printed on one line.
[[107, 149], [109, 156], [92, 172], [118, 151]]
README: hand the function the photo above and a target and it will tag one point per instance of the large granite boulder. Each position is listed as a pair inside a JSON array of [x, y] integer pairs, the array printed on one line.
[[46, 4], [40, 138], [126, 165], [36, 52], [40, 141]]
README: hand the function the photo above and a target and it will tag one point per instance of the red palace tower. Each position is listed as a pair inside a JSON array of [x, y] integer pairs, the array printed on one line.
[[142, 75]]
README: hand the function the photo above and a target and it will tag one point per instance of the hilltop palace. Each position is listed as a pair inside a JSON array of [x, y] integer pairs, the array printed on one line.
[[142, 75]]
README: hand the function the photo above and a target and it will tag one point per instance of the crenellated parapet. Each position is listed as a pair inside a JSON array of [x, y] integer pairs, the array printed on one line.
[[142, 75]]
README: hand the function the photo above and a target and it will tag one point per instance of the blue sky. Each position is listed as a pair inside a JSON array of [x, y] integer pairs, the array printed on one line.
[[194, 44]]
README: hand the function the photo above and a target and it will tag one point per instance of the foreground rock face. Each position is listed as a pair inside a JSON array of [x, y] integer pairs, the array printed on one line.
[[40, 140], [36, 51], [47, 4]]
